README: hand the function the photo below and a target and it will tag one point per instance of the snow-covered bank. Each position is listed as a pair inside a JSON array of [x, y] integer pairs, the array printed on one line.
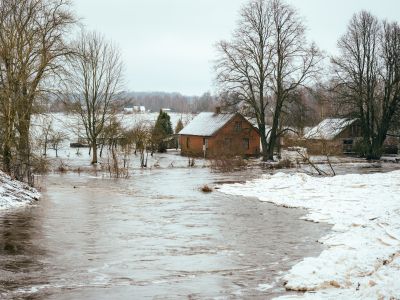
[[14, 193], [362, 259]]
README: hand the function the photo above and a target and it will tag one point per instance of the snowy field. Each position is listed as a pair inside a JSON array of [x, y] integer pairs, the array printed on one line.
[[362, 259], [71, 125], [14, 193]]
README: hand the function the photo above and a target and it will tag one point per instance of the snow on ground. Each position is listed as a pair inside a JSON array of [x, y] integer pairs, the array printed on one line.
[[362, 258], [14, 193]]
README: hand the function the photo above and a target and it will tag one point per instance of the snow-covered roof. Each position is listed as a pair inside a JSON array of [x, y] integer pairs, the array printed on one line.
[[328, 129], [206, 124]]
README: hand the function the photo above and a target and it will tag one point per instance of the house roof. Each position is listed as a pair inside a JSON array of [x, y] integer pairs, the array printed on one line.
[[206, 124], [328, 129]]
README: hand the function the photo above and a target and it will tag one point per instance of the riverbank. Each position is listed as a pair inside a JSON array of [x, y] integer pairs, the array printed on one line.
[[14, 193], [362, 260]]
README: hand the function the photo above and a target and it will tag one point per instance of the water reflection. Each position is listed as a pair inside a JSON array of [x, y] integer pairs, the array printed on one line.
[[20, 251], [154, 235]]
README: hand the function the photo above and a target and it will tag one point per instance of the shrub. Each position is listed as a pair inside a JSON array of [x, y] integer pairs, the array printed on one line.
[[284, 164], [40, 165], [228, 164], [206, 189], [62, 168]]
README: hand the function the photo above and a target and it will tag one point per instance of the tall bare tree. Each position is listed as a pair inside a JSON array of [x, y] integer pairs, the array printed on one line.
[[295, 63], [367, 77], [245, 63], [31, 47], [267, 59], [94, 82]]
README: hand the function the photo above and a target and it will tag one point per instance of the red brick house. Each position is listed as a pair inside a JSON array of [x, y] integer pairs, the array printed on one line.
[[219, 134]]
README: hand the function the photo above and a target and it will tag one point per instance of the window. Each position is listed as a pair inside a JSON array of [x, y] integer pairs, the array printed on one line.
[[238, 126], [347, 146], [188, 143], [205, 143], [246, 144]]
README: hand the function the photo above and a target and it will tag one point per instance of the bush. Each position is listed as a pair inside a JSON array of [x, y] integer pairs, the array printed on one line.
[[62, 168], [40, 165], [226, 164], [284, 164], [206, 189]]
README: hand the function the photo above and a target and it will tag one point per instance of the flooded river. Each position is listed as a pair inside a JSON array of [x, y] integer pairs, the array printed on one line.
[[152, 236]]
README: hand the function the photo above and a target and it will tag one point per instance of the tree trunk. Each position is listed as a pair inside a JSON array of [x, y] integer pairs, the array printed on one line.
[[101, 150], [45, 146], [264, 142], [24, 152], [94, 152], [7, 153], [273, 136], [375, 149], [7, 156]]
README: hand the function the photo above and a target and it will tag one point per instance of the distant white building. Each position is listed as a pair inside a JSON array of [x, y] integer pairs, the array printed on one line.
[[128, 110], [166, 110], [135, 109]]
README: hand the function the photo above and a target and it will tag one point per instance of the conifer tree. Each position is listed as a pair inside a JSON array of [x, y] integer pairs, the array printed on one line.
[[162, 130], [179, 126]]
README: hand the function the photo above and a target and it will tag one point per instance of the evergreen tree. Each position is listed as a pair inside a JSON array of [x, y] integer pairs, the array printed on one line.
[[162, 130], [179, 126]]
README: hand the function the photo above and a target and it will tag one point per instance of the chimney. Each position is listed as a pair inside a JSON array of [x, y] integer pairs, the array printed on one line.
[[217, 110]]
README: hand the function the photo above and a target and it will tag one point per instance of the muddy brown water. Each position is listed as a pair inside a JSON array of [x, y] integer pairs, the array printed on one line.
[[152, 236]]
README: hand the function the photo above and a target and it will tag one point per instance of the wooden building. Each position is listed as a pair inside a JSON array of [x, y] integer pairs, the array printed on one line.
[[342, 136], [334, 136], [219, 135]]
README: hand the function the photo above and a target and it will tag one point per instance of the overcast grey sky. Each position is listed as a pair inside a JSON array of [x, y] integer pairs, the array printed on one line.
[[168, 45]]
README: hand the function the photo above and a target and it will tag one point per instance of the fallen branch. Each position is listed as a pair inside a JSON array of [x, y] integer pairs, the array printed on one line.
[[306, 158]]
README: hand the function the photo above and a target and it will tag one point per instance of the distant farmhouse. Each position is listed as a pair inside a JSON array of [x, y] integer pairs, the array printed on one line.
[[134, 109], [128, 110], [219, 134], [334, 135], [340, 136]]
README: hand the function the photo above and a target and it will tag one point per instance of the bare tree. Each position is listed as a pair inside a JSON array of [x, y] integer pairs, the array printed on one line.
[[367, 77], [46, 128], [31, 47], [56, 140], [245, 63], [94, 83], [294, 62], [141, 136], [267, 59]]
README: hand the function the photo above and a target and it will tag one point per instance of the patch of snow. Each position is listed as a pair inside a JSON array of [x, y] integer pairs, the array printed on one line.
[[362, 259], [264, 287], [14, 193]]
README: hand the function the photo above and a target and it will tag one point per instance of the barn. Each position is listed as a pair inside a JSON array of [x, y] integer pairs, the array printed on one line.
[[219, 134], [334, 136], [341, 136]]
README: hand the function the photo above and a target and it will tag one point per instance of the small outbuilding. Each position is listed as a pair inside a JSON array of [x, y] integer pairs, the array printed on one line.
[[333, 135], [219, 134]]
